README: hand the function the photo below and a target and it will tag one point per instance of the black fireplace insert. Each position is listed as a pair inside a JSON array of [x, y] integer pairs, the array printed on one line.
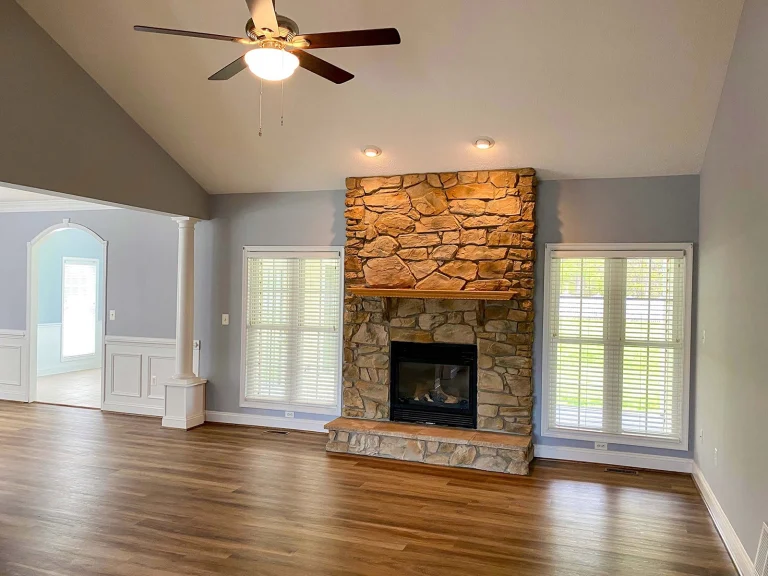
[[434, 384]]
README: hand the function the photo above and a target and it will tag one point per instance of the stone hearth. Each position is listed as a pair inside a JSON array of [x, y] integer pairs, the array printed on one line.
[[459, 231], [488, 451]]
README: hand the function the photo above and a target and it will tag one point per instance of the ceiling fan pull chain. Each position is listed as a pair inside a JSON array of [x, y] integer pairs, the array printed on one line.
[[261, 94], [282, 102]]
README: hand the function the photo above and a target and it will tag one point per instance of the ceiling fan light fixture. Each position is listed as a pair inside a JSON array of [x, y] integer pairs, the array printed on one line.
[[372, 151], [271, 63], [484, 143]]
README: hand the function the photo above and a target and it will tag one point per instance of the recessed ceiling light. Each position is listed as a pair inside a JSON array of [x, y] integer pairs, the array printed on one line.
[[372, 151], [484, 143]]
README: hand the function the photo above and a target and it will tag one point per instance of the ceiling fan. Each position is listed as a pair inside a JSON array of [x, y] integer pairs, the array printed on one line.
[[278, 49]]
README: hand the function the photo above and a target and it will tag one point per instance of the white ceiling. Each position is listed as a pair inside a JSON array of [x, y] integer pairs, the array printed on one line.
[[574, 88]]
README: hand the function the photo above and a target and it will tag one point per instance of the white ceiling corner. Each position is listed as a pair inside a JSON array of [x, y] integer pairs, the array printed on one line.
[[573, 88]]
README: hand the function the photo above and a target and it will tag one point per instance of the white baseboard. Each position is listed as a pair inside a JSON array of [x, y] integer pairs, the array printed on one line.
[[138, 409], [739, 555], [13, 397], [267, 421], [612, 458], [183, 423]]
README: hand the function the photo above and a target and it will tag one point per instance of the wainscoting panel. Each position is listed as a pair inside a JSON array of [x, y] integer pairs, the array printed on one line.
[[136, 369], [125, 375], [14, 360]]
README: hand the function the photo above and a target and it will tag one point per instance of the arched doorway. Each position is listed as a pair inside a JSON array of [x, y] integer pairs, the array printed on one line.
[[66, 307]]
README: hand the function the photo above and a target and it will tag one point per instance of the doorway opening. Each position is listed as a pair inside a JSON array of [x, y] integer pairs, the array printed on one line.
[[66, 305]]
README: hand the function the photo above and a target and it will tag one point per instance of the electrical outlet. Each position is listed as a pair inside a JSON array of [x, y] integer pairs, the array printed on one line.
[[154, 380], [715, 456], [601, 445], [288, 414], [225, 319], [111, 314]]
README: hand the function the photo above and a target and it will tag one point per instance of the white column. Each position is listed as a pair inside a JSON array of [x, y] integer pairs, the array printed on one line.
[[185, 392]]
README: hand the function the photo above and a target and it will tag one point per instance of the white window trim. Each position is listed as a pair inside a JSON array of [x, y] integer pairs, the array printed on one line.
[[292, 251], [604, 250], [95, 263]]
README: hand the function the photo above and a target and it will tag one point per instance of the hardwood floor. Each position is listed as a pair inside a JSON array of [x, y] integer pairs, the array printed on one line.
[[84, 492]]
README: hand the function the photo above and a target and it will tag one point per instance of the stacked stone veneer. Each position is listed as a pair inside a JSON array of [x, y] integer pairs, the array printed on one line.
[[481, 451], [448, 231]]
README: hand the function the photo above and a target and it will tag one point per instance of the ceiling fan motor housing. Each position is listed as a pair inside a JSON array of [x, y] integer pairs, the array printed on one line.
[[288, 29]]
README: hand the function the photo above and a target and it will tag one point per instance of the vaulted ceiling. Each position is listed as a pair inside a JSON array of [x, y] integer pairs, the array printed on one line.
[[574, 88]]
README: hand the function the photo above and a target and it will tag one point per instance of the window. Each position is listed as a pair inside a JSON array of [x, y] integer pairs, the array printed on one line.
[[292, 329], [78, 307], [616, 350]]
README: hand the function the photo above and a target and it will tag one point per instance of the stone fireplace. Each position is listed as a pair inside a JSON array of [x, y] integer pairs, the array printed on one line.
[[439, 263]]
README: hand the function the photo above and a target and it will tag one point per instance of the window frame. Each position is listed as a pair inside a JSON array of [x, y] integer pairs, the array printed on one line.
[[293, 251], [96, 265], [624, 250]]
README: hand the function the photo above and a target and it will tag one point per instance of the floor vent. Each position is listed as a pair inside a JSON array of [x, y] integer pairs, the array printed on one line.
[[761, 560], [627, 471], [283, 432]]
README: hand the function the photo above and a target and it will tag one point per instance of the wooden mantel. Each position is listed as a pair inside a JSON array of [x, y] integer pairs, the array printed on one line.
[[386, 294], [441, 294]]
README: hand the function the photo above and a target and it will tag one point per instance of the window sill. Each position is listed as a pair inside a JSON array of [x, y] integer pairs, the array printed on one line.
[[301, 408], [622, 439]]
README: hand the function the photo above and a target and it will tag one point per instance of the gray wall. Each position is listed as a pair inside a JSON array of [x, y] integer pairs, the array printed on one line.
[[141, 267], [663, 209], [629, 210], [284, 219], [60, 131], [732, 387]]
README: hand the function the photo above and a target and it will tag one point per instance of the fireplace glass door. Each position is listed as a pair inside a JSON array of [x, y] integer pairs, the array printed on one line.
[[434, 384]]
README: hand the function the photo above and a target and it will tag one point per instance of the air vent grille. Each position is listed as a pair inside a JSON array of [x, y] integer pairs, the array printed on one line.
[[761, 560], [627, 471], [281, 432], [427, 417]]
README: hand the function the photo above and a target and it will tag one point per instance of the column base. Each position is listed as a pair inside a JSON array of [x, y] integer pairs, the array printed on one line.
[[184, 403]]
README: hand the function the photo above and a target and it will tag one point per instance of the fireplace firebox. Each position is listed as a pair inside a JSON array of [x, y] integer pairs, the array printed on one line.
[[434, 384]]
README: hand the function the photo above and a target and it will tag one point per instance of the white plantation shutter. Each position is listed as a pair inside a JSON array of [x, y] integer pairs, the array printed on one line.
[[616, 338], [292, 328], [78, 307]]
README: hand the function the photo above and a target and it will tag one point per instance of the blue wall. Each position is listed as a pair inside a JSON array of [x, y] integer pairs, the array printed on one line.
[[63, 243]]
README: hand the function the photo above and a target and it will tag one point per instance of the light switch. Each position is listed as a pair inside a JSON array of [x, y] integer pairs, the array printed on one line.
[[225, 319], [111, 314]]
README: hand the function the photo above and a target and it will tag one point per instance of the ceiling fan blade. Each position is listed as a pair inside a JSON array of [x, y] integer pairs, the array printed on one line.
[[230, 69], [263, 14], [376, 37], [191, 34], [322, 68]]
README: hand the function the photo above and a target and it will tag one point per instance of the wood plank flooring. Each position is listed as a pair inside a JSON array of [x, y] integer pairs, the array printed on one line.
[[84, 492]]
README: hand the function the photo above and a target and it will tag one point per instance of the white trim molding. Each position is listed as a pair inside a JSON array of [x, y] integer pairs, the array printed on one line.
[[52, 205], [302, 424], [732, 542], [614, 458], [607, 250]]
